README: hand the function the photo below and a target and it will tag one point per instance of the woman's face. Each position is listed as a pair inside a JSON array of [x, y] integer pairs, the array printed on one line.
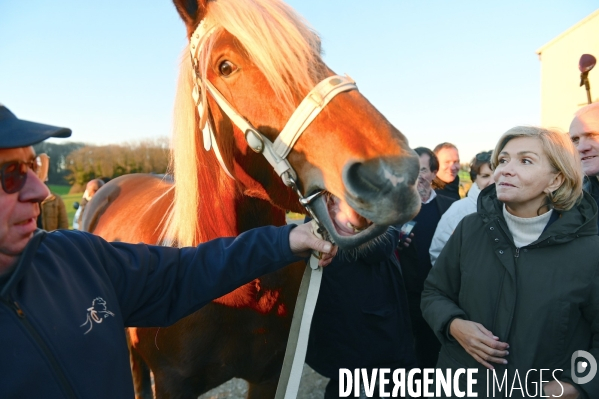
[[523, 177], [484, 176]]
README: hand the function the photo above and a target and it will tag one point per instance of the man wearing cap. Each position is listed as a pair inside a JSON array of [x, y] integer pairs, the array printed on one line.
[[66, 296], [584, 132]]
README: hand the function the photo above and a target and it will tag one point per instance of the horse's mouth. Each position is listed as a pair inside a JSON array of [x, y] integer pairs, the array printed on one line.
[[346, 221], [346, 227]]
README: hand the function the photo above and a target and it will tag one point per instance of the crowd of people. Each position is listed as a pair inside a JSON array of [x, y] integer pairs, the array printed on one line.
[[505, 278]]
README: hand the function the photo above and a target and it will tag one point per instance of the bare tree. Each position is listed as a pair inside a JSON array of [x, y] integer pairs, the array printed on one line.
[[90, 162]]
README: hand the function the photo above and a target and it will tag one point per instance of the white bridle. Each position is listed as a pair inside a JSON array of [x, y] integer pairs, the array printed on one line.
[[275, 153]]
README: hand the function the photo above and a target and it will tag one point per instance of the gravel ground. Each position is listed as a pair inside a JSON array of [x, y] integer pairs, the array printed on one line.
[[311, 387]]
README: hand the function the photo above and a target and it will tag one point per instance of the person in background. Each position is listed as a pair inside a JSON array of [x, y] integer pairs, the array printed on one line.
[[66, 296], [447, 181], [481, 176], [90, 190], [361, 319], [53, 213], [415, 260], [516, 288], [584, 133]]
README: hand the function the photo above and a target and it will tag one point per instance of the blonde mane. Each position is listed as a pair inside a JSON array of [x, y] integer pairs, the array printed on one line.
[[287, 52]]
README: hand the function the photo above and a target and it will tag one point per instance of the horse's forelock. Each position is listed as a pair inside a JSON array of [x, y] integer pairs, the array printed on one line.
[[279, 41]]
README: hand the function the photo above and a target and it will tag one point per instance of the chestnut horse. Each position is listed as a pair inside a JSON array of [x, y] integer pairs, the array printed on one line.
[[264, 59]]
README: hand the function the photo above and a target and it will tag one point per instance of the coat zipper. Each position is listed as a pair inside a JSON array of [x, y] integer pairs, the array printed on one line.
[[40, 342], [517, 253]]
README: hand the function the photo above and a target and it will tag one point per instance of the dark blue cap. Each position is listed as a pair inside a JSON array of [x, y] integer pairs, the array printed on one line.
[[15, 132]]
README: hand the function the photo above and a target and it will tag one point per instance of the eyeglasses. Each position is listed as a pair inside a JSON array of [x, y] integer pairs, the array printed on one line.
[[14, 174]]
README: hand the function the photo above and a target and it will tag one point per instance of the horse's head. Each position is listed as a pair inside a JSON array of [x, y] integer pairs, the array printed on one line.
[[264, 60]]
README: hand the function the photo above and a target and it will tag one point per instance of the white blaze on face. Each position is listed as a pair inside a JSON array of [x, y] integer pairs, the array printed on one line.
[[394, 179]]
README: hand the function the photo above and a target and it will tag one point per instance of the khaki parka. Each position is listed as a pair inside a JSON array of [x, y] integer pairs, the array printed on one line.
[[54, 213], [542, 299]]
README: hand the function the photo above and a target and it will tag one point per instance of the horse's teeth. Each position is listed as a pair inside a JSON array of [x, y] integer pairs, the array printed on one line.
[[354, 228]]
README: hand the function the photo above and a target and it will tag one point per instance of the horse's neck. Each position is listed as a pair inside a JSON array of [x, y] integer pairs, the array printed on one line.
[[267, 294], [229, 214], [253, 212]]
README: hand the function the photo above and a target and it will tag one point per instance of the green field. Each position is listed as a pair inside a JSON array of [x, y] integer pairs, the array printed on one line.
[[61, 190], [464, 175], [68, 199]]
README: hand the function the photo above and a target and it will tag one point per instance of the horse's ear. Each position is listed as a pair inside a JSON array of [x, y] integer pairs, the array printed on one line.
[[191, 11]]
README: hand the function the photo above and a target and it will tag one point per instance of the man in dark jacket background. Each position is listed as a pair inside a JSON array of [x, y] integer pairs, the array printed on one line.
[[361, 318], [584, 132], [415, 260]]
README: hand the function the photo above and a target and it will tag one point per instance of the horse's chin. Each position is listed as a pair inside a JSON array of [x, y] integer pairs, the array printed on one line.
[[346, 234]]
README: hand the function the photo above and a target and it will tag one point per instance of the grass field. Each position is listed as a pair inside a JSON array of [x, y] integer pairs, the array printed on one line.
[[68, 199], [59, 189]]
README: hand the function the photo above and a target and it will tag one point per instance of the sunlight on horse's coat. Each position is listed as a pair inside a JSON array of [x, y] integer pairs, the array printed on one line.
[[133, 336]]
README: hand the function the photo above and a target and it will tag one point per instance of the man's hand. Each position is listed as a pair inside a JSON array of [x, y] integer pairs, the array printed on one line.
[[302, 241], [407, 240], [553, 389], [479, 342]]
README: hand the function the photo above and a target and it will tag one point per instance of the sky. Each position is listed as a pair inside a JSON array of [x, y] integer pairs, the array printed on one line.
[[463, 71]]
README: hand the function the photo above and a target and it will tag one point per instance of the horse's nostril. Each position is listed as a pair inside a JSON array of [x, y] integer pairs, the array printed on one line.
[[365, 177], [366, 181]]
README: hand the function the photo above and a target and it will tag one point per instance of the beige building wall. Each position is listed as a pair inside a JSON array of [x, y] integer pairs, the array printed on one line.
[[561, 95]]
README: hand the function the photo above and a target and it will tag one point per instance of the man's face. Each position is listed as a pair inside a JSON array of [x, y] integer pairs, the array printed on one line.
[[19, 211], [91, 188], [449, 164], [584, 132], [425, 177]]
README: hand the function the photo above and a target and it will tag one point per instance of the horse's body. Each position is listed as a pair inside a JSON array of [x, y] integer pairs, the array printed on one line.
[[242, 334], [349, 149]]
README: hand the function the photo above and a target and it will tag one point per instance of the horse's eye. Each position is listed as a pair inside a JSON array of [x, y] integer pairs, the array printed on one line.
[[226, 68]]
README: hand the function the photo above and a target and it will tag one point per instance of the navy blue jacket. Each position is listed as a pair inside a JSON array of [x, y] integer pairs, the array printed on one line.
[[361, 318], [64, 308], [415, 259]]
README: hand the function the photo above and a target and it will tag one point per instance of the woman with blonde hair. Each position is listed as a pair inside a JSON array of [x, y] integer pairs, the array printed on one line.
[[516, 288]]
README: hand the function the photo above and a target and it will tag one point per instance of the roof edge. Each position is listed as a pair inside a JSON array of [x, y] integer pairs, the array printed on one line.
[[575, 26]]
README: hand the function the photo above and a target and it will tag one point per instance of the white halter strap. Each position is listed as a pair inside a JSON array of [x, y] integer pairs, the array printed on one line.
[[275, 153]]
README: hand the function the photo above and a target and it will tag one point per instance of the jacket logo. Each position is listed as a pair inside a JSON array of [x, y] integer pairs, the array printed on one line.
[[96, 314]]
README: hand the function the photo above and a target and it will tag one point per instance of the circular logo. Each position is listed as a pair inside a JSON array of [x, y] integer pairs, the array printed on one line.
[[581, 367]]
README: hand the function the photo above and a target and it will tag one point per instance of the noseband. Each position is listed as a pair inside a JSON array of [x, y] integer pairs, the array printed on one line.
[[275, 153]]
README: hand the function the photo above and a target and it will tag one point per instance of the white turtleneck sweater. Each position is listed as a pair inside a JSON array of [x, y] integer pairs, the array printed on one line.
[[526, 230]]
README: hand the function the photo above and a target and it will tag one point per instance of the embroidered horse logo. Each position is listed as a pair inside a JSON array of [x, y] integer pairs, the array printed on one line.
[[97, 313]]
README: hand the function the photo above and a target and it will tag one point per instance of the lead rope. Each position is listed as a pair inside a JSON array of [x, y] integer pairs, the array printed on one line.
[[276, 154], [297, 343]]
